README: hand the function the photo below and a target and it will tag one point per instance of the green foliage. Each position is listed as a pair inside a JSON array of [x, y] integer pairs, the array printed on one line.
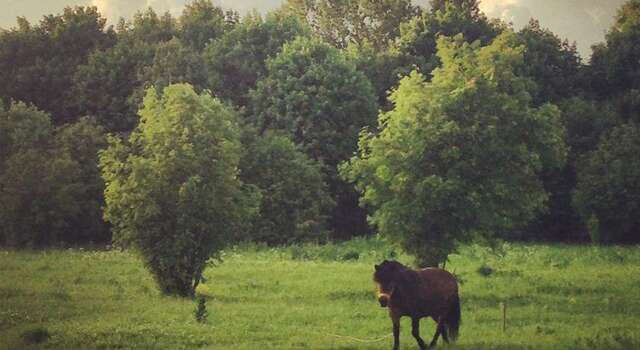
[[608, 192], [313, 94], [37, 63], [110, 86], [105, 87], [238, 59], [294, 198], [614, 73], [202, 22], [585, 121], [554, 65], [614, 64], [50, 191], [81, 142], [200, 313], [419, 36], [341, 23], [176, 63], [459, 156], [148, 27], [381, 67], [172, 190]]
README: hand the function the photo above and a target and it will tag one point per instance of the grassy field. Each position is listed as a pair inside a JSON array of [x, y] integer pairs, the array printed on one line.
[[312, 297]]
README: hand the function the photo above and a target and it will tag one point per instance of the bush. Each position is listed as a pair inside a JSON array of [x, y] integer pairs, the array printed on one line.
[[607, 195], [294, 196], [173, 190], [50, 188], [36, 335]]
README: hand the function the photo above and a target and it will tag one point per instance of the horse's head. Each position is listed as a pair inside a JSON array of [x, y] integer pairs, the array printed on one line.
[[385, 277]]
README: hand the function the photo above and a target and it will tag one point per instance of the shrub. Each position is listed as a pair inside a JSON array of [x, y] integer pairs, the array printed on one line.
[[607, 195], [173, 189], [294, 196], [50, 188]]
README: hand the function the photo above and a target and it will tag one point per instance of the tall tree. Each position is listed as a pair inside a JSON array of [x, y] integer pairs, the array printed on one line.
[[173, 63], [608, 191], [294, 198], [554, 65], [238, 59], [319, 98], [461, 155], [341, 22], [110, 86], [202, 22], [37, 63], [555, 70], [107, 86], [615, 72], [50, 191], [447, 17]]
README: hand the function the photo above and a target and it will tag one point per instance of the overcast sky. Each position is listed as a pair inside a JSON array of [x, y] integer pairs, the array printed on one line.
[[583, 21]]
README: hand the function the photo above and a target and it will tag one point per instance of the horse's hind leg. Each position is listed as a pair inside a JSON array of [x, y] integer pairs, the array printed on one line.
[[415, 331], [439, 330], [445, 332]]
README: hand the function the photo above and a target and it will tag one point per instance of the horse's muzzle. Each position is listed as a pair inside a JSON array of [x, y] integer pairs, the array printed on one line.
[[383, 300]]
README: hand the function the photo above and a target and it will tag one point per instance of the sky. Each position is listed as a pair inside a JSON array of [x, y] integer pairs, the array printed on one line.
[[582, 21]]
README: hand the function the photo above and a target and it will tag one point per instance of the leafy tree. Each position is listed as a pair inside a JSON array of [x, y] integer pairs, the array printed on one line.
[[416, 45], [341, 22], [585, 121], [316, 96], [49, 189], [202, 22], [173, 190], [24, 196], [419, 36], [614, 70], [294, 195], [149, 27], [237, 60], [608, 191], [110, 86], [459, 156], [80, 143], [381, 67], [554, 65], [37, 63], [176, 63]]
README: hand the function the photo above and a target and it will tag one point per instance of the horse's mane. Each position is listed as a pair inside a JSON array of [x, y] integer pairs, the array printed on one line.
[[403, 275]]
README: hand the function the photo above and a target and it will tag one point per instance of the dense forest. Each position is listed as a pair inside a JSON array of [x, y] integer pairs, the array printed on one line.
[[322, 120]]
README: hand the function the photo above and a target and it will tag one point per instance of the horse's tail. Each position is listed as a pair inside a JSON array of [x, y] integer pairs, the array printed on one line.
[[453, 318]]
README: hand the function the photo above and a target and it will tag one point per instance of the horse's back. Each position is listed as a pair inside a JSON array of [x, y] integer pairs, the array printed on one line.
[[438, 286]]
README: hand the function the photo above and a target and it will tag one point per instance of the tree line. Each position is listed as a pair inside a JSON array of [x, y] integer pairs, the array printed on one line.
[[179, 135]]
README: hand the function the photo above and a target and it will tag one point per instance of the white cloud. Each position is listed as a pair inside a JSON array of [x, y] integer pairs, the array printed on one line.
[[584, 21], [114, 9]]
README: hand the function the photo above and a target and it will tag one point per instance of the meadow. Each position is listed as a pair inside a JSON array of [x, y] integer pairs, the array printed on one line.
[[319, 297]]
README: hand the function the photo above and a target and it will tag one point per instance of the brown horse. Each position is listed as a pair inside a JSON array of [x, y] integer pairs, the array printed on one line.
[[429, 292]]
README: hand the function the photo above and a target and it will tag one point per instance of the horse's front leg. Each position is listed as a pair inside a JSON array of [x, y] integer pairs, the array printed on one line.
[[415, 331], [396, 331]]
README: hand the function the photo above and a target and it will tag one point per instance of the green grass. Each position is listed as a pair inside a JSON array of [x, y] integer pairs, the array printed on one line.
[[318, 297]]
